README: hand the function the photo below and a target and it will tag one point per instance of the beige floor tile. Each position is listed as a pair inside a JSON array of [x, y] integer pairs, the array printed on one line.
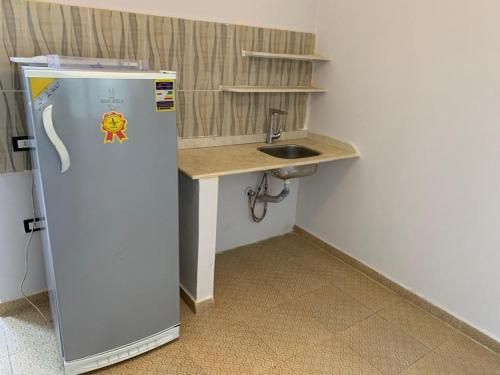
[[266, 263], [292, 279], [303, 252], [5, 366], [40, 359], [247, 261], [419, 324], [434, 364], [327, 267], [470, 356], [170, 359], [232, 349], [229, 266], [263, 255], [27, 328], [205, 323], [294, 245], [366, 290], [298, 247], [385, 346], [306, 253], [272, 261], [278, 306], [247, 296], [333, 308], [288, 329], [329, 357]]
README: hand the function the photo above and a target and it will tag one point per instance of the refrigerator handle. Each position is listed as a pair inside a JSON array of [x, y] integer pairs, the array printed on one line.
[[61, 149]]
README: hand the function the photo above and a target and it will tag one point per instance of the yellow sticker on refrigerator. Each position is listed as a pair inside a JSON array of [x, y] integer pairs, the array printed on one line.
[[114, 126], [165, 95], [42, 89], [39, 85]]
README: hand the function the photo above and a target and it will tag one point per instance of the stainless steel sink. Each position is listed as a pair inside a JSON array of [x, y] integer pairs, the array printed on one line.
[[289, 151]]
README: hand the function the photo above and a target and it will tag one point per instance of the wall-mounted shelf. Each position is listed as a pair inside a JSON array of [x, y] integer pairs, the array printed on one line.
[[285, 56], [271, 89]]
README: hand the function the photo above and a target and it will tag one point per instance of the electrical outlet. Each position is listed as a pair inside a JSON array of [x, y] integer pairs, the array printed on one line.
[[34, 225], [23, 143]]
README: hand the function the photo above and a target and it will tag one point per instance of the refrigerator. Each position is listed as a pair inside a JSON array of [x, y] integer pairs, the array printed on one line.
[[105, 175]]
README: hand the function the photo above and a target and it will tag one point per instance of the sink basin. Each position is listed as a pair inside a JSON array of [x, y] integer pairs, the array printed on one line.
[[289, 151]]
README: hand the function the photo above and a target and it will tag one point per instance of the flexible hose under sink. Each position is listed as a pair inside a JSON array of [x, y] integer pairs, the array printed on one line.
[[253, 197], [262, 196]]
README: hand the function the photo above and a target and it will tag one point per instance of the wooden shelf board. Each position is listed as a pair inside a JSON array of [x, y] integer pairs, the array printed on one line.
[[287, 56], [257, 89]]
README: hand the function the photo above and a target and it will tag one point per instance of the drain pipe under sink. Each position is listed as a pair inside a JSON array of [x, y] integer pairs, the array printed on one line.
[[260, 195], [278, 197]]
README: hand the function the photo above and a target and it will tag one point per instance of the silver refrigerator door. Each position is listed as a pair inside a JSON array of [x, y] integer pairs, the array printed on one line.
[[112, 216]]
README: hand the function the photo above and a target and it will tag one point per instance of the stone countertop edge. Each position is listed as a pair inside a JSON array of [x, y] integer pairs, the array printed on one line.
[[208, 162]]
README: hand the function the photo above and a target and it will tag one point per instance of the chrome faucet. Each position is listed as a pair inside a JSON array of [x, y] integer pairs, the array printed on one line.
[[271, 135]]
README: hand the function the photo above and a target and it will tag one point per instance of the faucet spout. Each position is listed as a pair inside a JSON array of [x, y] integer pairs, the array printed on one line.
[[271, 134]]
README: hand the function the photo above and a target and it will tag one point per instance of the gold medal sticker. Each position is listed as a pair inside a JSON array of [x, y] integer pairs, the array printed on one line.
[[114, 125]]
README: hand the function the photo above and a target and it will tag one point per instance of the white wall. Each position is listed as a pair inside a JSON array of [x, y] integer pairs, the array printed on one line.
[[234, 225], [15, 206], [416, 86], [282, 14]]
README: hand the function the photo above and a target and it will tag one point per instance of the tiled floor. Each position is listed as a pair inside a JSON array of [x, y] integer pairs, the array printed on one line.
[[283, 306]]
